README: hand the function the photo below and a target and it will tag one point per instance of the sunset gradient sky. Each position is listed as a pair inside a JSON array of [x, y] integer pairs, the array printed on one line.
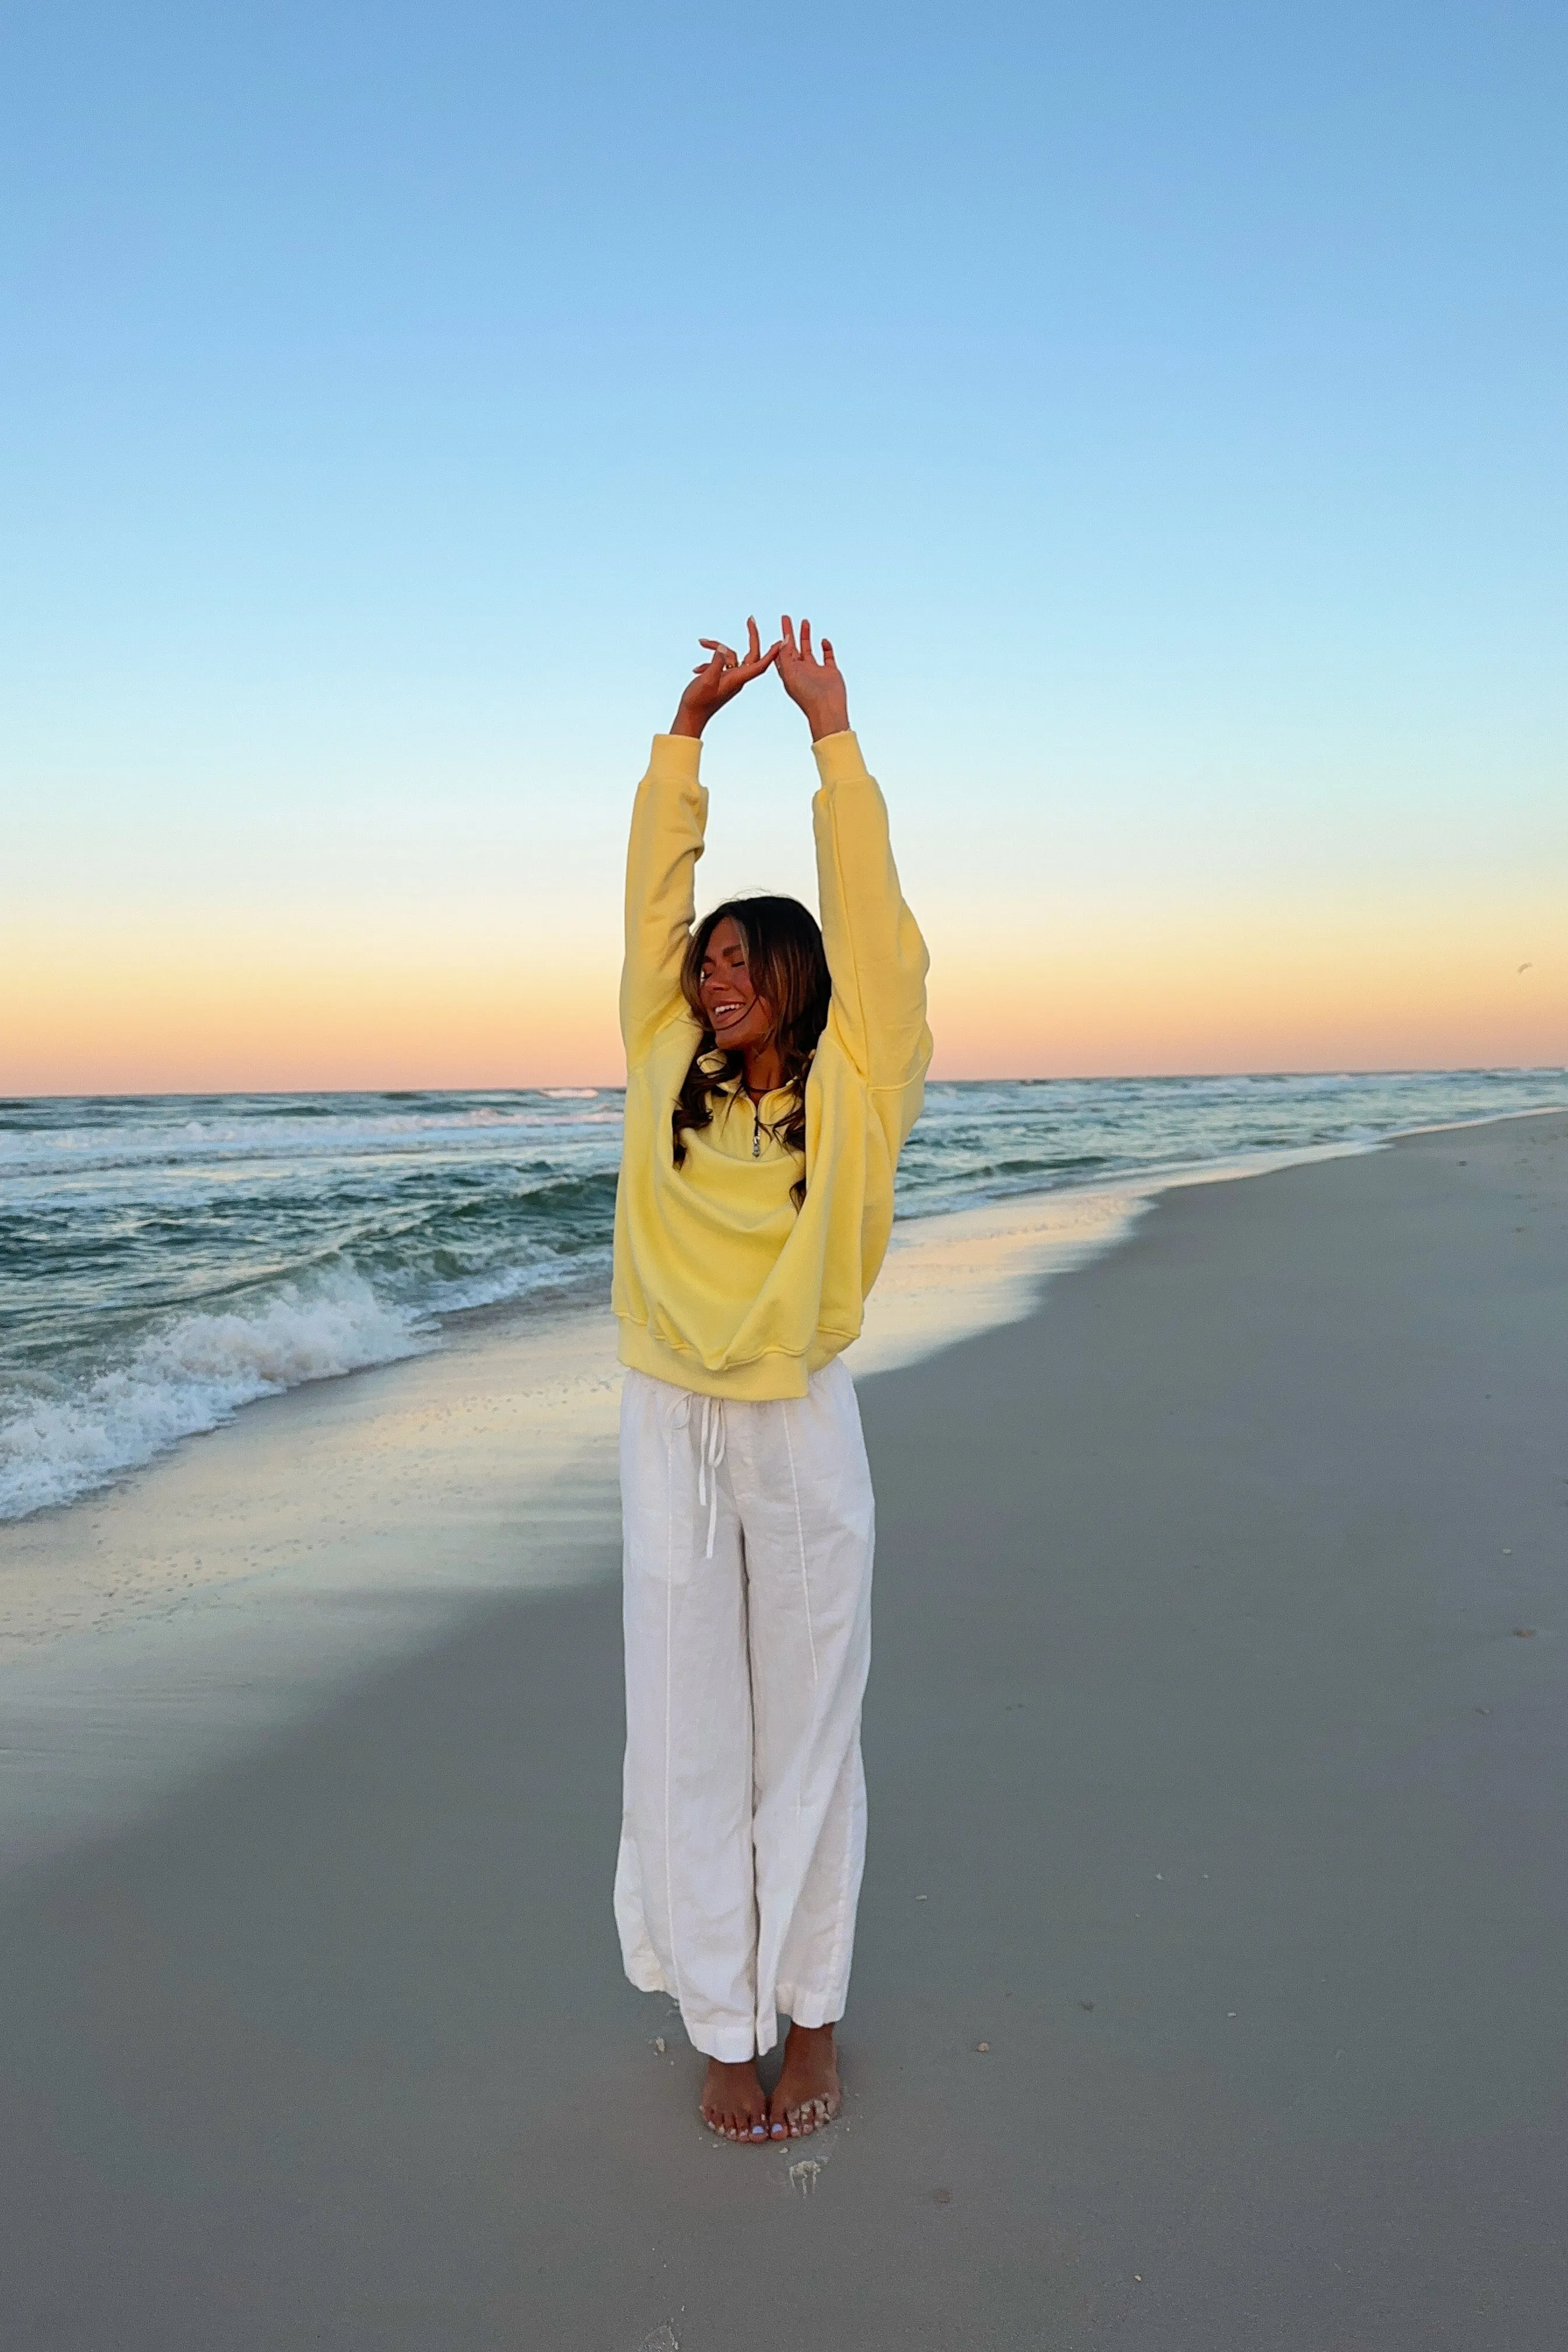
[[1163, 406]]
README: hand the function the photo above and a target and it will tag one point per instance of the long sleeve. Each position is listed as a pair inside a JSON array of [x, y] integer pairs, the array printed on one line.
[[875, 951], [668, 819], [724, 1282]]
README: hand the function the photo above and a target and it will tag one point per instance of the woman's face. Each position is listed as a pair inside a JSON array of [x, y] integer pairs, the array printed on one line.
[[737, 1015]]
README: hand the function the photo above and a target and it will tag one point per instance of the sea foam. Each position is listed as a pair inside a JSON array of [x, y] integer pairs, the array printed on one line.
[[190, 1375]]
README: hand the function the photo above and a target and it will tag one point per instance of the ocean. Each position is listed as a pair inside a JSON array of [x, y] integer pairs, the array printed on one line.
[[166, 1260]]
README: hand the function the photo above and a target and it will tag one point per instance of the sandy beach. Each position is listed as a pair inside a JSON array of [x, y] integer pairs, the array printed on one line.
[[1208, 1984]]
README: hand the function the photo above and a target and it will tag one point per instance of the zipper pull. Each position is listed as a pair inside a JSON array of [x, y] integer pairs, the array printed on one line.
[[756, 1130]]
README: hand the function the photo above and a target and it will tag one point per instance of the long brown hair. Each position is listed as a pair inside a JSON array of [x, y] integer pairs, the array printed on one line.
[[787, 966]]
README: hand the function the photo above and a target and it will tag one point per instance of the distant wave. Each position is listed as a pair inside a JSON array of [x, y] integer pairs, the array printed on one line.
[[193, 1374]]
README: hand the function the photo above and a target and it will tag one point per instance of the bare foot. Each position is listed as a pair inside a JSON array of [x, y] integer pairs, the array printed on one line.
[[733, 2101], [807, 2093]]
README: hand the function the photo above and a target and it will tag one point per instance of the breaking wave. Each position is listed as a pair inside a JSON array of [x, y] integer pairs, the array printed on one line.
[[189, 1376]]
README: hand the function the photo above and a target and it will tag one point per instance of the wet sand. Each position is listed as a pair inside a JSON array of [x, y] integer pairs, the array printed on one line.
[[238, 1586], [1215, 1743]]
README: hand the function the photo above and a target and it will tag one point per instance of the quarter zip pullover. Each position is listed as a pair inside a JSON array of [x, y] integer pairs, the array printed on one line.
[[721, 1284]]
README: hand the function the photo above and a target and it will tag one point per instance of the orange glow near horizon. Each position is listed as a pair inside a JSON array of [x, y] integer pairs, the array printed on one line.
[[131, 1015], [1275, 991]]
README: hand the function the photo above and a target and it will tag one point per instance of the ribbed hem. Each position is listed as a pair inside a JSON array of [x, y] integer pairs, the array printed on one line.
[[764, 1380]]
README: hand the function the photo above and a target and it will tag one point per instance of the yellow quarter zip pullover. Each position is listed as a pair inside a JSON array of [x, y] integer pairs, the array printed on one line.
[[720, 1284]]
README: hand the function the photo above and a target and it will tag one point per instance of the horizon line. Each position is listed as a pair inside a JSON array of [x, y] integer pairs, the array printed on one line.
[[617, 1086]]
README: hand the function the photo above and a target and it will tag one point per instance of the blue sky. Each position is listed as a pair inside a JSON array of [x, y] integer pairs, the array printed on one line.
[[1163, 405]]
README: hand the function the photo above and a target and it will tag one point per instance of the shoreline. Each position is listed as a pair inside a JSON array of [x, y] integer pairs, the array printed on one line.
[[111, 1405], [948, 1275], [1063, 1217], [219, 1597], [1214, 1742]]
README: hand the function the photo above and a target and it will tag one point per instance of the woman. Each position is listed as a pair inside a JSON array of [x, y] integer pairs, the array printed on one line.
[[772, 1073]]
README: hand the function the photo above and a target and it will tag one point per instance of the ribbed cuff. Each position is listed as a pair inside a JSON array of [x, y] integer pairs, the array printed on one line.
[[837, 757], [680, 756]]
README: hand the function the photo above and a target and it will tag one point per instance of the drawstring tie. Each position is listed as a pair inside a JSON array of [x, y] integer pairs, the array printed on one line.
[[709, 1453]]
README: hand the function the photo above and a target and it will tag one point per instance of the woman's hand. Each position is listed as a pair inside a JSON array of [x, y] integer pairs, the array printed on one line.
[[817, 686], [719, 680]]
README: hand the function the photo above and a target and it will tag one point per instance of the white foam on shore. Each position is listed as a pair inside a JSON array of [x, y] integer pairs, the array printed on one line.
[[188, 1378]]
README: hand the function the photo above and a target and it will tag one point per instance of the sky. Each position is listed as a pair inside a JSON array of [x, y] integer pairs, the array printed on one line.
[[1161, 405]]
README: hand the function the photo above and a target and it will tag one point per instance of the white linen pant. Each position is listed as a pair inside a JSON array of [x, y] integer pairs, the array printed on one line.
[[748, 1540]]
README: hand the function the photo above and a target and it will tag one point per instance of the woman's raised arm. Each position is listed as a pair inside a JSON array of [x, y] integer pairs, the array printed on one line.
[[875, 951], [668, 819]]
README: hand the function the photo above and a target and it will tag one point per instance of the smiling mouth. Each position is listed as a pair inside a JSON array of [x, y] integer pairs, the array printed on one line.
[[726, 1013]]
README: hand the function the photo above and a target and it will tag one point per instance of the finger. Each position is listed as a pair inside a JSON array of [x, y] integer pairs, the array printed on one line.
[[827, 654], [787, 633], [805, 653], [753, 642]]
